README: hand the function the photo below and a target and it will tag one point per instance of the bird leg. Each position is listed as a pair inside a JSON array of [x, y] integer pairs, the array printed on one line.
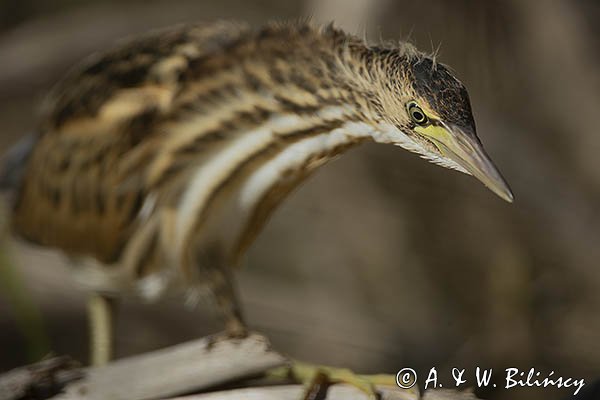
[[224, 290], [101, 310], [317, 379]]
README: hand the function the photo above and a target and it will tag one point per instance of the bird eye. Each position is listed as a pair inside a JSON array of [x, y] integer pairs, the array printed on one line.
[[416, 113]]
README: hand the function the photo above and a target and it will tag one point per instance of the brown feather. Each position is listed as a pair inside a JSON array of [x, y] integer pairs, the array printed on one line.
[[125, 134]]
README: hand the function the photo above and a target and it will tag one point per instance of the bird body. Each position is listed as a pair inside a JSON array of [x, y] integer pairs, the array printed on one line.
[[162, 159], [152, 160]]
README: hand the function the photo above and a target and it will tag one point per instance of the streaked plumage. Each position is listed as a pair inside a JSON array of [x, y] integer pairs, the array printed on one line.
[[162, 159]]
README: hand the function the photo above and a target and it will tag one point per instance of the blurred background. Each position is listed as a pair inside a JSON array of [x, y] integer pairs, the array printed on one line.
[[380, 261]]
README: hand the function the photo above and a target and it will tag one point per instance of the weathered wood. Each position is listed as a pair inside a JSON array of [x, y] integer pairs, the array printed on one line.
[[185, 368], [336, 392], [294, 392], [445, 394], [39, 381]]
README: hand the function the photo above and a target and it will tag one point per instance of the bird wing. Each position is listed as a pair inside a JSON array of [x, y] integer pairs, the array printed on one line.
[[13, 163], [84, 185]]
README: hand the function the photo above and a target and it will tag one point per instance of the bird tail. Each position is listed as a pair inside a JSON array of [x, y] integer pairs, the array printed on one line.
[[12, 164]]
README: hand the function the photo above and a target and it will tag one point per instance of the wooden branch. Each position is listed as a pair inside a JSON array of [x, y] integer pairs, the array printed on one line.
[[445, 394], [336, 392], [295, 392], [41, 380], [185, 368]]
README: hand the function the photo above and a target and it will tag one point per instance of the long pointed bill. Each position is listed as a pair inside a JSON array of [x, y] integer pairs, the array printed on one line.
[[464, 149]]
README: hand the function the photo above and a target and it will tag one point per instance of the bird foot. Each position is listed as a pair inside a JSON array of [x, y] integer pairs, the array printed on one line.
[[317, 379], [232, 333]]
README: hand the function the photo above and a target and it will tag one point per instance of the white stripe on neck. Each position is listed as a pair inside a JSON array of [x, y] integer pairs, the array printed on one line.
[[295, 156], [209, 175]]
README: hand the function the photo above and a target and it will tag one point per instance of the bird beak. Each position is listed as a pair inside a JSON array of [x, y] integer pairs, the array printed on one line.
[[463, 147]]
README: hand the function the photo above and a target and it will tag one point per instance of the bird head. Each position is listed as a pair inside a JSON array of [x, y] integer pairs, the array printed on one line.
[[426, 110]]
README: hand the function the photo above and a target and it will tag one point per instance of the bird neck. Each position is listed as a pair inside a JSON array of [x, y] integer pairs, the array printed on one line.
[[256, 120], [252, 172]]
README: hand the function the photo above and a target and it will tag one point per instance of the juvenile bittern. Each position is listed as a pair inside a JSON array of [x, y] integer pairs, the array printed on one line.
[[156, 164]]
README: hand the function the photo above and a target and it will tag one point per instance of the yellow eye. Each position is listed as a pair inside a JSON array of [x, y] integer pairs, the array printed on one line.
[[416, 113]]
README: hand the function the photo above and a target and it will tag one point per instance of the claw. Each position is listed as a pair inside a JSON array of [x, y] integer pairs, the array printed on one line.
[[317, 389]]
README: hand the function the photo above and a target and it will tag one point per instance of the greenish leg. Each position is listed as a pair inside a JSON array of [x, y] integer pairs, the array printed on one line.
[[101, 311], [313, 376]]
